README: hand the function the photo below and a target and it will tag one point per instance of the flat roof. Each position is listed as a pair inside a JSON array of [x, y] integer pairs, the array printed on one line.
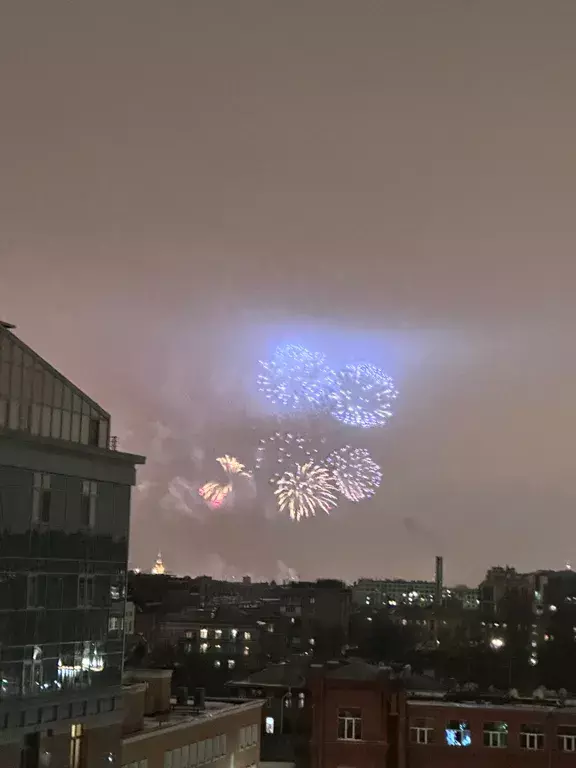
[[187, 715], [512, 705]]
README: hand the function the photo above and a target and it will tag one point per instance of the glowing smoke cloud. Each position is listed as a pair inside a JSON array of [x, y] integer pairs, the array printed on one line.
[[296, 378], [356, 474], [308, 489], [363, 396]]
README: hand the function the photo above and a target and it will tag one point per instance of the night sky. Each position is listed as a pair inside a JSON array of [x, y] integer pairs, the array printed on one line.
[[185, 185]]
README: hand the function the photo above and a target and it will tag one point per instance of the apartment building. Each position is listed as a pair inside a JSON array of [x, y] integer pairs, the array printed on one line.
[[64, 525], [183, 732]]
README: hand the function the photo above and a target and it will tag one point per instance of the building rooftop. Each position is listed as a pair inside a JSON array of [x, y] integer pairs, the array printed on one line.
[[277, 675], [529, 705], [187, 715]]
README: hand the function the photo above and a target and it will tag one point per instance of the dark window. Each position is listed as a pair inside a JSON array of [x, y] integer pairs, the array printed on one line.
[[422, 730], [350, 724], [85, 510], [496, 734], [94, 432], [45, 504], [531, 737]]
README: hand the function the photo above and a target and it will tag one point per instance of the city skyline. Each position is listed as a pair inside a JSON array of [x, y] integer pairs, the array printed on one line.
[[395, 185]]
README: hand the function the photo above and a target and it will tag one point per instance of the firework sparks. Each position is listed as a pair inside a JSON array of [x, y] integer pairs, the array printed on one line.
[[215, 493], [283, 450], [363, 396], [308, 489], [296, 378], [356, 474]]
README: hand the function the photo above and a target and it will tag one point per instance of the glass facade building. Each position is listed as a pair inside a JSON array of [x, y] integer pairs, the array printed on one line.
[[64, 527]]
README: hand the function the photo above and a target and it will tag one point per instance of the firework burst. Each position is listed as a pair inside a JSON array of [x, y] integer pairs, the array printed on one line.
[[215, 493], [296, 378], [355, 473], [283, 450], [308, 489], [363, 396]]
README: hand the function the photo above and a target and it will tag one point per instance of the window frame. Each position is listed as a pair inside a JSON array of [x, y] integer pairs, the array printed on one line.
[[351, 724]]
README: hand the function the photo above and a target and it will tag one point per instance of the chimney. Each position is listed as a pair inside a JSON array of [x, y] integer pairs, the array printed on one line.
[[199, 698], [439, 580], [158, 691]]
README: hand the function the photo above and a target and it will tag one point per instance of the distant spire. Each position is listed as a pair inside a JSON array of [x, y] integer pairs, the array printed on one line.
[[158, 567]]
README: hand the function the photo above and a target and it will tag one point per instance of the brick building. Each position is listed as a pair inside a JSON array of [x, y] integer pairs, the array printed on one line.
[[366, 717]]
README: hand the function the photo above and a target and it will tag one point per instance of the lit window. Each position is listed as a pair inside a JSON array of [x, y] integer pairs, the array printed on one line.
[[217, 664], [233, 634], [496, 735], [531, 737], [76, 731], [567, 738], [350, 724], [231, 663], [301, 700], [246, 651], [269, 725], [188, 635], [247, 636], [311, 641], [204, 633], [422, 730], [217, 647], [458, 734], [218, 634], [203, 647], [113, 624]]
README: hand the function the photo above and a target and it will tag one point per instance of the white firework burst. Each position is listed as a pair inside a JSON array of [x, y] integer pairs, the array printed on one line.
[[356, 475], [282, 451], [308, 489]]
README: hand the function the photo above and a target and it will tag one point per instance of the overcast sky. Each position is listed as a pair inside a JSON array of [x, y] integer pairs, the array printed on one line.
[[184, 185]]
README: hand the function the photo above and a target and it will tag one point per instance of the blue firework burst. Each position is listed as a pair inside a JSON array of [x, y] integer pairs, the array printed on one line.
[[296, 378], [363, 396]]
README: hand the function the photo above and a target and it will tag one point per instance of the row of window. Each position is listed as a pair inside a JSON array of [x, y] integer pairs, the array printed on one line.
[[458, 733], [42, 500], [43, 421], [47, 591], [205, 647], [199, 753], [248, 736], [218, 634]]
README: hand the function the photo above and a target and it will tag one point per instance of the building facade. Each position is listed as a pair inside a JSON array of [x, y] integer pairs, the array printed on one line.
[[160, 732], [64, 527], [364, 718]]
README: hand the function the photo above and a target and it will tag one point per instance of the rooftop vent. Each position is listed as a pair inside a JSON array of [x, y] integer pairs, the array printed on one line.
[[9, 326]]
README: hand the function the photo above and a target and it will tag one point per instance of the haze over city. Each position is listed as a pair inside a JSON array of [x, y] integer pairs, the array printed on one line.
[[394, 185]]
